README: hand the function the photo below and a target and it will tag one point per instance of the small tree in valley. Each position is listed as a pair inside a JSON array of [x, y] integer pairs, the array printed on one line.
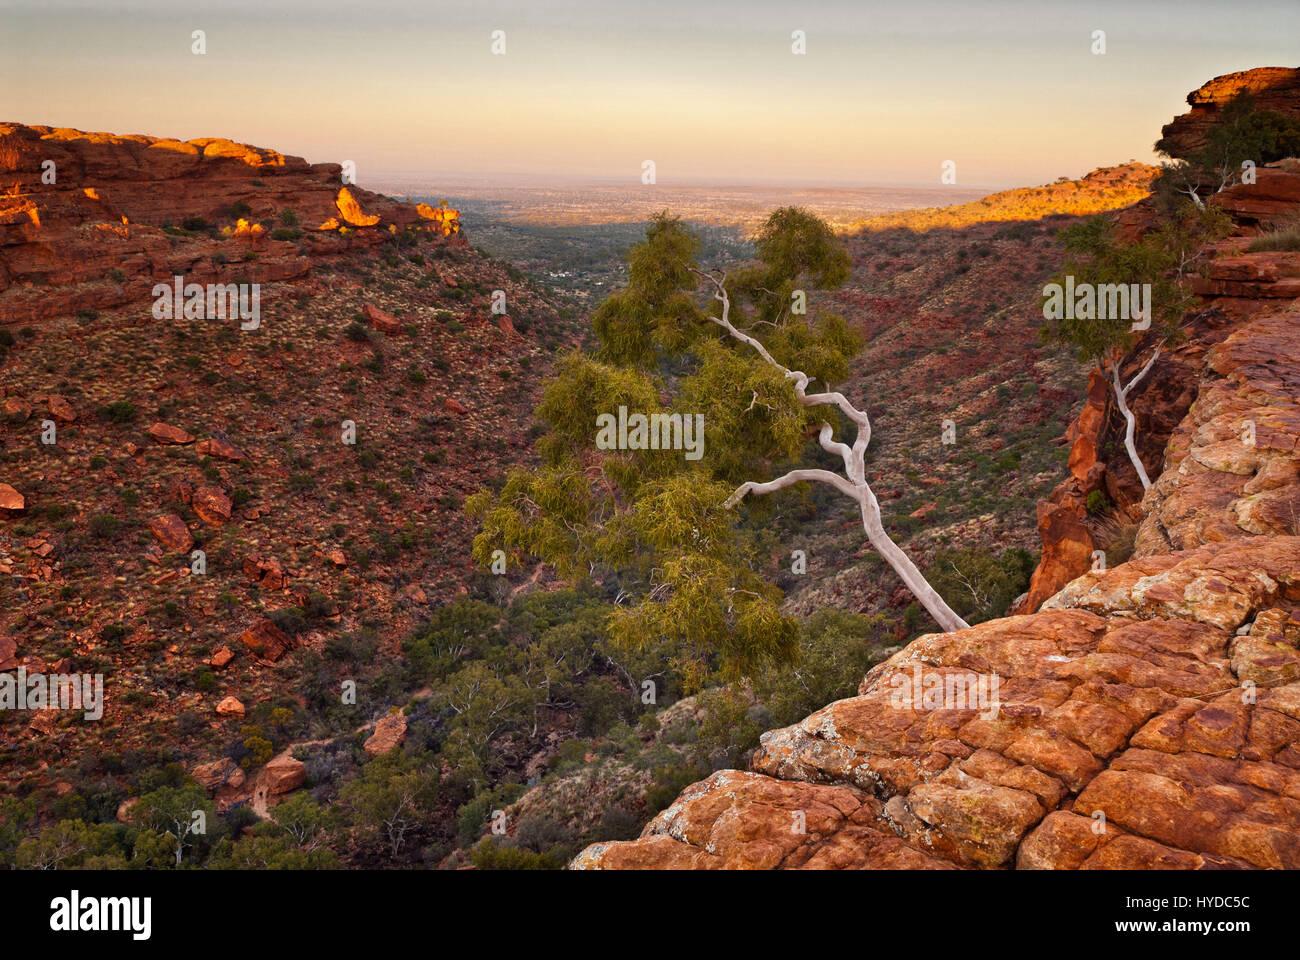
[[736, 352], [1112, 294]]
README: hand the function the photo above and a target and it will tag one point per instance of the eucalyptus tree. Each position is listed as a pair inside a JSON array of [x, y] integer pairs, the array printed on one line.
[[739, 352]]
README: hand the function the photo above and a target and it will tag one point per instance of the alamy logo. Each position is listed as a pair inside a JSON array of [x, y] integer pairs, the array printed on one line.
[[949, 691], [55, 691], [658, 431], [215, 301], [72, 913], [1106, 301]]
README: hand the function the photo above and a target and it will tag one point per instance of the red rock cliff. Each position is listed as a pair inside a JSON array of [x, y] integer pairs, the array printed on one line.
[[124, 212], [1146, 716]]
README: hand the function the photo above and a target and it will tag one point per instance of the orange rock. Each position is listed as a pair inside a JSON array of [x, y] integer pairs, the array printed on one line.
[[389, 732], [454, 406], [163, 433], [268, 573], [337, 558], [60, 409], [219, 449], [219, 773], [385, 323], [10, 499], [171, 532], [221, 656], [267, 640], [230, 707], [283, 774], [211, 504], [351, 211], [1067, 550], [16, 409]]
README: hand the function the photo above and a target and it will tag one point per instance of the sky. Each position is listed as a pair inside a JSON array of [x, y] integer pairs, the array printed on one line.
[[711, 92]]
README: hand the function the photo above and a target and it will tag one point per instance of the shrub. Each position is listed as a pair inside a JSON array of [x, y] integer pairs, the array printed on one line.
[[976, 584], [1097, 502], [1286, 238], [104, 526], [490, 856], [119, 411]]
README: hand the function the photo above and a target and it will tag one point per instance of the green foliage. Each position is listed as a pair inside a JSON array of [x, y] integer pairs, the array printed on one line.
[[1162, 258], [978, 585], [1241, 133], [167, 817], [393, 794], [836, 650], [727, 732], [296, 838], [119, 411], [71, 845], [652, 520], [1097, 502], [490, 855]]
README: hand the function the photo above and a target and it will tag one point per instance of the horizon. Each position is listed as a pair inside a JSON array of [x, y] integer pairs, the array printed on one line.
[[714, 95]]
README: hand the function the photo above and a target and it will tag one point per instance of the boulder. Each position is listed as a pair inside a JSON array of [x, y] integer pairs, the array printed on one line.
[[219, 773], [60, 409], [230, 707], [10, 499], [165, 433], [267, 640], [283, 774], [170, 530], [219, 449], [211, 504], [385, 323], [389, 732]]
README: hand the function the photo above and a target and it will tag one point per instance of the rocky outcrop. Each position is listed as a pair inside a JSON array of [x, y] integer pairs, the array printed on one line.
[[1148, 716], [93, 220], [1272, 198], [1273, 88], [1098, 460], [1232, 467], [390, 731]]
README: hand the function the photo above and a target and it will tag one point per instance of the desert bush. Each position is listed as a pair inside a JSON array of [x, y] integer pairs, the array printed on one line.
[[980, 585], [1284, 238]]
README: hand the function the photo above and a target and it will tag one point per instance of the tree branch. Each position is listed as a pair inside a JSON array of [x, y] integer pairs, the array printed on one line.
[[789, 480]]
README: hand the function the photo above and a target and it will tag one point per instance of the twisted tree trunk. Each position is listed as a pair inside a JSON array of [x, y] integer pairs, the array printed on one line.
[[854, 482], [1130, 421]]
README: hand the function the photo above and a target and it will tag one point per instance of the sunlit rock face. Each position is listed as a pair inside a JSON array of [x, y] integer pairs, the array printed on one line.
[[1144, 716], [93, 220]]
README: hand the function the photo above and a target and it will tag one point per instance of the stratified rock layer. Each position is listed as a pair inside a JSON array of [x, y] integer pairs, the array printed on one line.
[[1147, 717], [90, 221], [1273, 88]]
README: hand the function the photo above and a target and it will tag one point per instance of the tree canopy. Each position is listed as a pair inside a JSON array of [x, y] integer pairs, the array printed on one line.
[[652, 521]]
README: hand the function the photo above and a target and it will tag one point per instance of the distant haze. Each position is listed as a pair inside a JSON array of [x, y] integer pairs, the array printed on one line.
[[740, 207], [589, 89]]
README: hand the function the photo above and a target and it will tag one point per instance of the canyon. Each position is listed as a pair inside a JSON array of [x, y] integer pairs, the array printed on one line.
[[1149, 713], [237, 522]]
